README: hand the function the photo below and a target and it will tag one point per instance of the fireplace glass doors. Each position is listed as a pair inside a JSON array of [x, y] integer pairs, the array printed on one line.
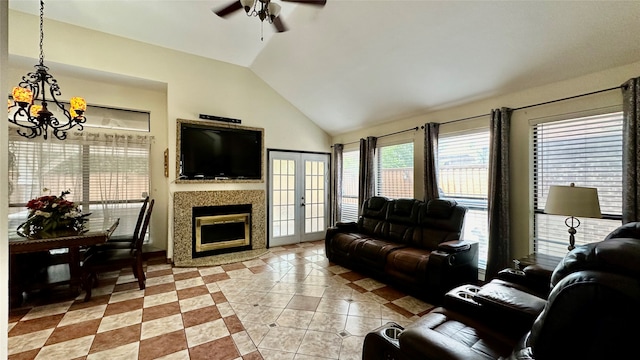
[[221, 229]]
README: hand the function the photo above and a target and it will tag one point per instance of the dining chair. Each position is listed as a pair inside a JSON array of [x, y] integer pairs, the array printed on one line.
[[112, 259], [129, 238], [126, 241]]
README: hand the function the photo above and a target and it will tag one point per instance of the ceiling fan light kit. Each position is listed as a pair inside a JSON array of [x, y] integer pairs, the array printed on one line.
[[267, 10], [264, 10]]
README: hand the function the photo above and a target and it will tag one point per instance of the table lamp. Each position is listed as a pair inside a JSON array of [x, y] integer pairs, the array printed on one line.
[[573, 201]]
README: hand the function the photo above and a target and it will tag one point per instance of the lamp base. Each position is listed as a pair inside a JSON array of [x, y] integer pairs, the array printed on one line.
[[572, 223]]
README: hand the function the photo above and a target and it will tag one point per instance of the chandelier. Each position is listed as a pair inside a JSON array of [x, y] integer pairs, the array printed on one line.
[[35, 119]]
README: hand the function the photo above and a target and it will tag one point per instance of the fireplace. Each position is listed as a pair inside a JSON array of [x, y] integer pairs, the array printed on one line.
[[221, 229], [184, 203]]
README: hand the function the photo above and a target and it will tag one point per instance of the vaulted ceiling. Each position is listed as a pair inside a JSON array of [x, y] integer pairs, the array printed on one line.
[[355, 63]]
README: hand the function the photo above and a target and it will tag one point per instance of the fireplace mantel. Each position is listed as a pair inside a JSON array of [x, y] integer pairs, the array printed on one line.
[[184, 201]]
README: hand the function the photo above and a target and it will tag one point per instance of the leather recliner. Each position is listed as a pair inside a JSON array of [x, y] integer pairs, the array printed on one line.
[[590, 313]]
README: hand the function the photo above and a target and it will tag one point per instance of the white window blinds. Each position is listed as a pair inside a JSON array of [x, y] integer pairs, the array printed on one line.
[[350, 169], [394, 171], [107, 174], [586, 151], [463, 164]]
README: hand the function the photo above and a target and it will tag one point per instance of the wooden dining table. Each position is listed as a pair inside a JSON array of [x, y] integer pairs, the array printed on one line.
[[32, 255]]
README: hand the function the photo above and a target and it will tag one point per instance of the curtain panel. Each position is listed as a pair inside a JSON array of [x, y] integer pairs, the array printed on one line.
[[367, 179], [499, 251], [431, 132], [630, 150], [336, 193]]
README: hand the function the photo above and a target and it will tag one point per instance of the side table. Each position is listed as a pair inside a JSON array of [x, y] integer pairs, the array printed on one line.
[[546, 262]]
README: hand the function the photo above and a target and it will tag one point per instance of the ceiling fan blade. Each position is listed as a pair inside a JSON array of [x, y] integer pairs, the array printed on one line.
[[309, 2], [225, 11], [277, 22]]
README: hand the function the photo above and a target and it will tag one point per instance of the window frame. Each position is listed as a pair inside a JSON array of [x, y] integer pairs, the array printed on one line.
[[377, 167], [477, 206], [591, 229]]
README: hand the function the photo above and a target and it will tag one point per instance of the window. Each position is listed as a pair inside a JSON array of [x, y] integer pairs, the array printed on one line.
[[108, 175], [350, 185], [586, 151], [394, 171], [463, 169]]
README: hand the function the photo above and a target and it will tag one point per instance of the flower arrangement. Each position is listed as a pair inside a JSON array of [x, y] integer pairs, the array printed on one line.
[[50, 212]]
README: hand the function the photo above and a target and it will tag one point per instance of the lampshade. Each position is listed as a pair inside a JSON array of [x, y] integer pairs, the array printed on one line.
[[573, 201], [22, 95], [274, 10], [247, 4], [35, 109], [78, 103]]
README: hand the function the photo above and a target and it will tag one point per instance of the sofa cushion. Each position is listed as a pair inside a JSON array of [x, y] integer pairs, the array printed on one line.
[[402, 219], [439, 221], [374, 213], [373, 252], [616, 255], [440, 208], [445, 334], [344, 244], [408, 264], [628, 230]]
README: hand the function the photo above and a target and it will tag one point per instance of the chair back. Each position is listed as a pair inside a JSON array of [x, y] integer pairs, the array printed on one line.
[[139, 237], [136, 231]]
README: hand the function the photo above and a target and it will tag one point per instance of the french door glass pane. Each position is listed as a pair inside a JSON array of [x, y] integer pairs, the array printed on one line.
[[314, 196], [283, 196]]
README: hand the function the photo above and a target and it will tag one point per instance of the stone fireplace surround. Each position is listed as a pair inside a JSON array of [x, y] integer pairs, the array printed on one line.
[[184, 201]]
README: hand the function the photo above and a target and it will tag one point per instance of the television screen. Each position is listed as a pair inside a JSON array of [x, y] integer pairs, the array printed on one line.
[[216, 152]]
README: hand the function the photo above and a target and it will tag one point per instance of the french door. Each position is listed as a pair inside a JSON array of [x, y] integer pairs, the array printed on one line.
[[298, 197]]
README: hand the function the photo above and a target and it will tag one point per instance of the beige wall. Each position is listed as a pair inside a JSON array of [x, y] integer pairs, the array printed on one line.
[[4, 186], [189, 85], [520, 150]]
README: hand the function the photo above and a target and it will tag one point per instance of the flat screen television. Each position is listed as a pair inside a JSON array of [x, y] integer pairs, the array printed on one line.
[[213, 152]]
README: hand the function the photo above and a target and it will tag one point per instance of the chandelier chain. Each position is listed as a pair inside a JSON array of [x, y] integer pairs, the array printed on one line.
[[41, 32]]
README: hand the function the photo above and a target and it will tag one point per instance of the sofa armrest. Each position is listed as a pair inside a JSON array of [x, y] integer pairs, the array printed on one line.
[[447, 269], [454, 246], [347, 226], [340, 227], [510, 308]]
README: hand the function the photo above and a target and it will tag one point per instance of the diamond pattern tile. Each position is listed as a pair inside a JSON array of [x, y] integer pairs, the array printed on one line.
[[290, 303]]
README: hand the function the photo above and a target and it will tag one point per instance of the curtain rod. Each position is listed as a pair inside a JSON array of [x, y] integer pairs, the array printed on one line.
[[518, 108], [538, 104], [385, 135]]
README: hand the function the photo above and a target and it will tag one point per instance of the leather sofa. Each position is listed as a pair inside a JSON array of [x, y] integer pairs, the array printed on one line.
[[408, 243], [590, 313]]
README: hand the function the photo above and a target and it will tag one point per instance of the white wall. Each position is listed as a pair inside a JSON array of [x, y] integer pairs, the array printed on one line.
[[193, 85], [520, 150]]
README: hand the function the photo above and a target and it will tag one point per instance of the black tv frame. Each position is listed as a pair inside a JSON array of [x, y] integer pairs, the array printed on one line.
[[214, 125]]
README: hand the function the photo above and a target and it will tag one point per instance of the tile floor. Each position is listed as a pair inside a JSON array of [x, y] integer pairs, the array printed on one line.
[[288, 304]]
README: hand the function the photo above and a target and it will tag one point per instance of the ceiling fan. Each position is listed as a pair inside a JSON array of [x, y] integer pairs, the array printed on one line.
[[263, 9]]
